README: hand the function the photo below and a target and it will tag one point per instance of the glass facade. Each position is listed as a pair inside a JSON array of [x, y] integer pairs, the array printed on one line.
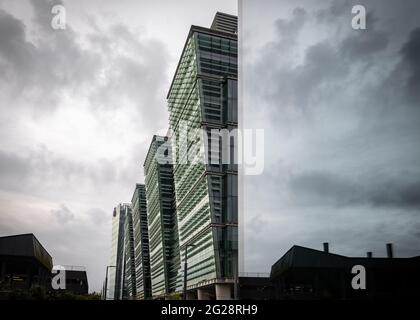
[[129, 260], [203, 95], [116, 271], [161, 217], [141, 243], [190, 196]]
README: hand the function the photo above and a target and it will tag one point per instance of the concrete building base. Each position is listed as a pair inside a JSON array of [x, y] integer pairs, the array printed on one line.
[[203, 294], [223, 291], [191, 295]]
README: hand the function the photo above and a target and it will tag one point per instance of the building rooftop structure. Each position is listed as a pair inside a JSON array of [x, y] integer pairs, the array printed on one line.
[[225, 22], [24, 263], [25, 245], [76, 279], [308, 273]]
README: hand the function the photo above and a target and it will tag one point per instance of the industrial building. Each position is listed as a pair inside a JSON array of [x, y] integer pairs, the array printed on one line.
[[76, 279], [24, 263], [304, 273]]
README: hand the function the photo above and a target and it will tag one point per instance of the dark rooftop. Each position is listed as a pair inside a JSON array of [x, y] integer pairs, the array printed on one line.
[[25, 245], [302, 257]]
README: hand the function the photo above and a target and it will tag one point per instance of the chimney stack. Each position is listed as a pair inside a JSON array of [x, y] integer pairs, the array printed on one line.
[[389, 250], [369, 254], [326, 247]]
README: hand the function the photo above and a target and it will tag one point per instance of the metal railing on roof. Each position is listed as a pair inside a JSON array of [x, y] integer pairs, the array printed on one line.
[[70, 268], [254, 274]]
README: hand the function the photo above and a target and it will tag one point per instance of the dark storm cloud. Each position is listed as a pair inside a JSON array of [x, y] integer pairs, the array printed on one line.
[[42, 13], [115, 69], [362, 46], [44, 67], [95, 67], [137, 80], [327, 188], [288, 29], [411, 55], [328, 60], [25, 171], [335, 10], [342, 125], [320, 68], [323, 63], [16, 54]]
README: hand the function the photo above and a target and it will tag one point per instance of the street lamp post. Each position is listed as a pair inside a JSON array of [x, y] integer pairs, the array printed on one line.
[[106, 280], [185, 270], [235, 278]]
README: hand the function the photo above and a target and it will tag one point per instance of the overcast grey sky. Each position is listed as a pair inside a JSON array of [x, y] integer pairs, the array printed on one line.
[[78, 108], [341, 113], [340, 109]]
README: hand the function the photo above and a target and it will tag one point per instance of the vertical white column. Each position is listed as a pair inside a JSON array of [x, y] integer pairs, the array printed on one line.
[[223, 292]]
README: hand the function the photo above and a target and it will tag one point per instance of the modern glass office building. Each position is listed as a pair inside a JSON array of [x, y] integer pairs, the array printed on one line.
[[115, 283], [129, 291], [203, 95], [141, 243], [161, 216]]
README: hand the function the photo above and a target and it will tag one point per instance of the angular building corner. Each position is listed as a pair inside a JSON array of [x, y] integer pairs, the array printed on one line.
[[203, 95], [141, 243], [115, 288], [180, 233], [161, 218]]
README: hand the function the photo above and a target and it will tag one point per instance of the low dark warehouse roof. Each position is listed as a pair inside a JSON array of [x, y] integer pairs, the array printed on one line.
[[25, 245], [301, 257]]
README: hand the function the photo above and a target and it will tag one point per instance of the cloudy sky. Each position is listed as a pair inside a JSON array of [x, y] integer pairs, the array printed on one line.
[[341, 113], [340, 109], [78, 108]]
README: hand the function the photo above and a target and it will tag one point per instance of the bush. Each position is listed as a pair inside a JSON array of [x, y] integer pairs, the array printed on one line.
[[175, 296]]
